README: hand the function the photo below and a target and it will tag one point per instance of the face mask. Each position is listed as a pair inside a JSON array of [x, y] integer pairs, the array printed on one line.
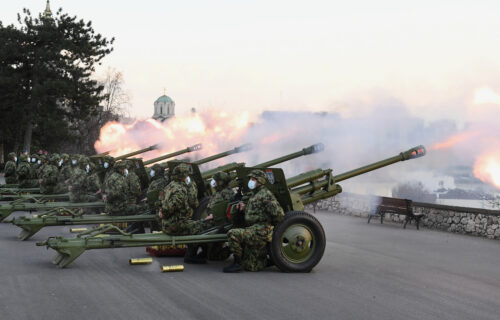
[[39, 162], [213, 183], [33, 160], [152, 173], [106, 165], [87, 168], [15, 159], [252, 184], [125, 172], [188, 180], [73, 162], [60, 162], [29, 159]]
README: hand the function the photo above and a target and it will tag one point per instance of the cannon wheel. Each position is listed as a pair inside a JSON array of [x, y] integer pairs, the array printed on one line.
[[201, 211], [298, 242]]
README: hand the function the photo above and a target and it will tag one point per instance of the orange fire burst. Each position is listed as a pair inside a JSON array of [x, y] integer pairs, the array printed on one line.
[[215, 131], [454, 140], [487, 168]]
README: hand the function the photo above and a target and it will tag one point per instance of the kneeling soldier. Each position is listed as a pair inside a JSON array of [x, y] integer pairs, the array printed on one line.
[[262, 213]]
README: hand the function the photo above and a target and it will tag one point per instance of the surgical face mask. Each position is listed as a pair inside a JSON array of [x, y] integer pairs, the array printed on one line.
[[125, 172], [188, 180], [106, 165], [60, 162], [15, 159], [39, 162], [252, 184], [73, 162], [87, 168], [29, 159], [33, 160], [152, 173], [213, 183]]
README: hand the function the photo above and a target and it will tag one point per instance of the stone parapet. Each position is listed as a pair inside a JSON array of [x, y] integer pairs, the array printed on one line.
[[472, 221]]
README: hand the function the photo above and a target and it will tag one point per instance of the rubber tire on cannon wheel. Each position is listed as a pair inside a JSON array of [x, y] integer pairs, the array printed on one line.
[[308, 245]]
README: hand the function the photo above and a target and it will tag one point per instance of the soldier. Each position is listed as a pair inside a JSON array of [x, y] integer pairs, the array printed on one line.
[[40, 163], [262, 213], [80, 187], [176, 211], [49, 174], [116, 194], [9, 171], [216, 251], [157, 184], [25, 173], [133, 182]]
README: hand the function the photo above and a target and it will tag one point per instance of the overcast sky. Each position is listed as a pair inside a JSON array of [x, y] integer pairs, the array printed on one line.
[[316, 55]]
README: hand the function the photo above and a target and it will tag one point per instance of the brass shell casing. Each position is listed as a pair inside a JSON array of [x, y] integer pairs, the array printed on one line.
[[76, 230], [141, 261], [176, 268]]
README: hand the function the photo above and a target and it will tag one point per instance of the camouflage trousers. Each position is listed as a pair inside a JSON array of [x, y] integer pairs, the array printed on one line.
[[184, 227], [29, 183], [251, 245], [124, 208], [11, 179]]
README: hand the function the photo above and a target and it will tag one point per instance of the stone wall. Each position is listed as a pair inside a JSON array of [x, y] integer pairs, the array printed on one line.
[[477, 222]]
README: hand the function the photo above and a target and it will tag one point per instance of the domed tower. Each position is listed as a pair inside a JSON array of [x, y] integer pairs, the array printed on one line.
[[164, 108]]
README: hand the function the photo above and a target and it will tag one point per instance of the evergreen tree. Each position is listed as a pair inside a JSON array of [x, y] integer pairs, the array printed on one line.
[[47, 64]]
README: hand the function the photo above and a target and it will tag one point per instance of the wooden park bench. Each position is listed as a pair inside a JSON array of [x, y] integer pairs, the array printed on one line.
[[396, 205]]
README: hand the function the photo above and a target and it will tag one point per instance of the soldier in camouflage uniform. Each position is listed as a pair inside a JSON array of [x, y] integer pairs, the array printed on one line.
[[80, 184], [34, 162], [133, 182], [40, 163], [9, 171], [65, 172], [262, 213], [25, 173], [49, 174], [176, 211], [157, 183], [116, 194]]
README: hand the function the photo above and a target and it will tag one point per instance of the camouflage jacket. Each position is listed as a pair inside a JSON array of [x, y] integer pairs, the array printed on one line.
[[78, 181], [156, 187], [192, 190], [93, 183], [49, 175], [263, 208], [225, 194], [24, 171], [116, 188], [134, 186], [10, 169], [175, 204], [65, 173]]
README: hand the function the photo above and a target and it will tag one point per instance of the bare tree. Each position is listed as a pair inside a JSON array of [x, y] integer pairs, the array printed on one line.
[[116, 100]]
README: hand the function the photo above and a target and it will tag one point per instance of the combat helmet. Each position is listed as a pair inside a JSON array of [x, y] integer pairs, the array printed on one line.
[[23, 157], [11, 156], [119, 166], [180, 172], [259, 175], [54, 159], [34, 158], [221, 178], [158, 170]]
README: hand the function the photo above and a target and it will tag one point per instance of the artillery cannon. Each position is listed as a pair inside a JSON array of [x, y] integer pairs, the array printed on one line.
[[298, 241], [196, 147], [32, 225], [134, 153]]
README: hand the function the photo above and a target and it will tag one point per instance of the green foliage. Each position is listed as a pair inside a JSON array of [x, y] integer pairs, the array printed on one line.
[[45, 79]]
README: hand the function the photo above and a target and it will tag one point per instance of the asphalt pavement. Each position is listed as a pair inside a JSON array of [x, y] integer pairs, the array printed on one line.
[[368, 271]]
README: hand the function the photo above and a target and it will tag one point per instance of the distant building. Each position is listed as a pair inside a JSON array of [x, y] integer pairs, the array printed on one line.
[[164, 108], [47, 13]]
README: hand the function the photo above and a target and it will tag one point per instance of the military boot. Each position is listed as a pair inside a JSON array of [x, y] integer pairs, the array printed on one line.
[[193, 257], [235, 267]]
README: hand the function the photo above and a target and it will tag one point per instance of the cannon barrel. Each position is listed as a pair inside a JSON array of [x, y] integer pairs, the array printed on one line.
[[226, 168], [243, 148], [413, 153], [196, 147], [133, 153], [315, 148]]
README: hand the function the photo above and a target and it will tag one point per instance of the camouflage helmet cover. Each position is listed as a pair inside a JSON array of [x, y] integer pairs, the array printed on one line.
[[23, 157], [11, 156], [119, 166], [259, 175], [221, 178], [54, 159], [181, 171]]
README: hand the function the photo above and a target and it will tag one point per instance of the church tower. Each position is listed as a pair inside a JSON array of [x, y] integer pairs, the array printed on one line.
[[47, 13], [164, 108]]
